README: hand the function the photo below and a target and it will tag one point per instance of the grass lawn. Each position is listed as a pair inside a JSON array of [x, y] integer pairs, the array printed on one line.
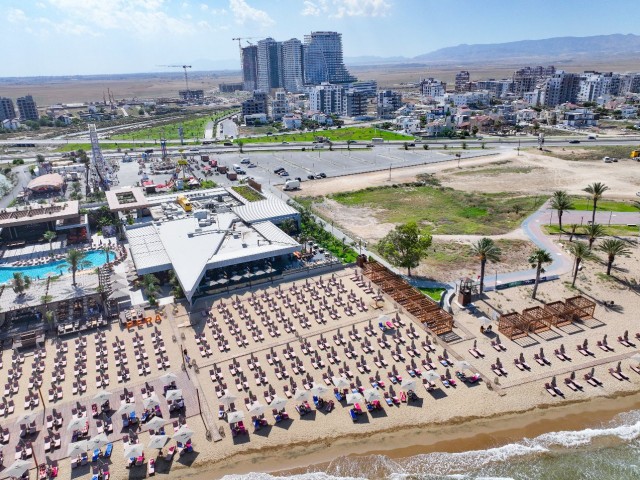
[[363, 134], [444, 210], [615, 230], [72, 147], [604, 205], [248, 193], [433, 293], [192, 128]]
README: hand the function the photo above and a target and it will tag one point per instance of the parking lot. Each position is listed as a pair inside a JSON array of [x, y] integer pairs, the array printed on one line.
[[334, 163]]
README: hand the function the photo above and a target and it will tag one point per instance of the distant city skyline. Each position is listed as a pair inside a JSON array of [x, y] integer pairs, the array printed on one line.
[[74, 37]]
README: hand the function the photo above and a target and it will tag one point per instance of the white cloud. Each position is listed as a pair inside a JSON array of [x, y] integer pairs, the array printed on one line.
[[15, 15], [244, 13], [139, 17], [40, 5], [346, 8], [204, 7]]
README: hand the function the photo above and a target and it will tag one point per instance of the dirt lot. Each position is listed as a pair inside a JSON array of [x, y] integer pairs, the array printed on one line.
[[528, 173]]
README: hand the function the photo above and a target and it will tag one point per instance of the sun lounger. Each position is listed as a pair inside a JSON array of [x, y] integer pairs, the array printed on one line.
[[615, 374], [550, 389], [569, 383]]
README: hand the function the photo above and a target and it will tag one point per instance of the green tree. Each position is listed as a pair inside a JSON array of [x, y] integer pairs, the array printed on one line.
[[405, 246], [50, 236], [613, 247], [572, 230], [593, 232], [289, 226], [150, 286], [474, 130], [240, 143], [561, 202], [485, 250], [20, 283], [49, 317], [581, 253], [40, 158], [596, 190], [537, 260], [76, 260]]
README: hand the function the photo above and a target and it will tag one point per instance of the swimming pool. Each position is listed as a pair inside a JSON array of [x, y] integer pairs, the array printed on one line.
[[95, 257]]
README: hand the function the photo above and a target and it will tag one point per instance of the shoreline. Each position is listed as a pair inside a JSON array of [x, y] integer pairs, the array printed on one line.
[[458, 435]]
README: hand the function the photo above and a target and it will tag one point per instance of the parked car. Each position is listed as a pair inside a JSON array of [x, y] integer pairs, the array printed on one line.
[[322, 175], [278, 170], [284, 173], [311, 176]]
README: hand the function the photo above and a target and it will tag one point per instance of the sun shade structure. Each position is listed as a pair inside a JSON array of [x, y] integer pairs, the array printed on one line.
[[46, 183], [415, 302]]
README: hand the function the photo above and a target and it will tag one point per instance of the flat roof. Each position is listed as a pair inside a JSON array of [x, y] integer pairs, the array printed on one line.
[[126, 198], [147, 251], [38, 213]]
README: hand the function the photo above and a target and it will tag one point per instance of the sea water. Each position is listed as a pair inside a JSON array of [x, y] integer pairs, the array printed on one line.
[[610, 451]]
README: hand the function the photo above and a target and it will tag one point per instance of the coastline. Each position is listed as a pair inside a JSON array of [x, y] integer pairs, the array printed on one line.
[[458, 435]]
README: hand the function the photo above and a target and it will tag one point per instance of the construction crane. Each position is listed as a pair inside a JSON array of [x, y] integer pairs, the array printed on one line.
[[186, 78], [242, 38]]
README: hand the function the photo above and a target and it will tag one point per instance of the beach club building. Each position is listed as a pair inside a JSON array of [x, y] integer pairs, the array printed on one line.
[[221, 240]]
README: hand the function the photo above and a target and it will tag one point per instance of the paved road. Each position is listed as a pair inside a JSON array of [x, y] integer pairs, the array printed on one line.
[[23, 179]]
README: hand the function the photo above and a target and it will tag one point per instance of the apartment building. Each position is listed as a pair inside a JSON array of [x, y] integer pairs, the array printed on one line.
[[323, 60], [7, 111], [27, 108], [250, 68], [430, 87], [292, 66], [269, 64], [463, 81]]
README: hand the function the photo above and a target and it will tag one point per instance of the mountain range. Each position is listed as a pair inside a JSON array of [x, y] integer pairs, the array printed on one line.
[[557, 49]]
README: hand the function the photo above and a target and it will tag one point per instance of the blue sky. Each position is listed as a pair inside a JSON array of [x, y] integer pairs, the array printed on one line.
[[58, 37]]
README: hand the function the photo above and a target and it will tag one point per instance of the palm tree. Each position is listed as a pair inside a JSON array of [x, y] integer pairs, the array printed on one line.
[[76, 261], [561, 202], [150, 286], [581, 253], [49, 236], [485, 249], [596, 190], [21, 283], [613, 247], [537, 259], [49, 317], [594, 231], [572, 228]]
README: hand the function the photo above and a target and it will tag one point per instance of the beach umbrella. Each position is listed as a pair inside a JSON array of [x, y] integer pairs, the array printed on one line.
[[151, 402], [228, 398], [17, 469], [319, 390], [463, 365], [76, 449], [278, 403], [256, 409], [408, 384], [76, 423], [126, 408], [156, 423], [340, 382], [371, 394], [354, 398], [158, 441], [122, 293], [97, 441], [168, 378], [133, 450], [119, 284], [235, 417], [431, 376], [301, 396], [102, 396], [27, 418], [174, 395]]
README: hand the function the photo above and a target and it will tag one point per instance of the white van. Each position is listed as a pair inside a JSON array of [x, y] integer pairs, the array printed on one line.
[[238, 169]]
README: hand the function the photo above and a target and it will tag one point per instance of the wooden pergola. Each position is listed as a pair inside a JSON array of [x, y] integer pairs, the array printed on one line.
[[561, 313], [513, 325], [415, 302], [582, 307], [538, 319]]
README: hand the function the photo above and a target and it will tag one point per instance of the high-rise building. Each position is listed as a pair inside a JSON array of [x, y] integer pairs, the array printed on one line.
[[269, 64], [525, 79], [27, 108], [7, 112], [292, 67], [323, 60], [463, 79], [560, 88], [250, 68]]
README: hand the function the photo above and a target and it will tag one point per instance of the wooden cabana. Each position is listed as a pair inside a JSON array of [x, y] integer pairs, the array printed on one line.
[[582, 307], [561, 313], [414, 302], [538, 320], [513, 325]]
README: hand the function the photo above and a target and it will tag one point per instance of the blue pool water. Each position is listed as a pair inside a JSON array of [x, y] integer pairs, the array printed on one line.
[[96, 258]]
